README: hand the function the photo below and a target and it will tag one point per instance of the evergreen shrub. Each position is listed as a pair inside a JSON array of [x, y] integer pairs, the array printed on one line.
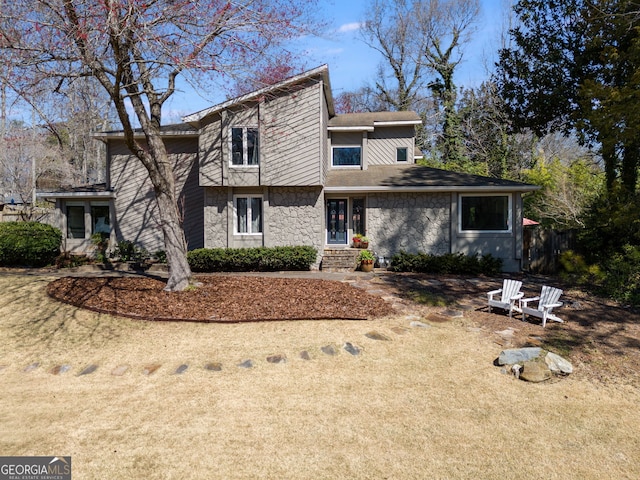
[[30, 244]]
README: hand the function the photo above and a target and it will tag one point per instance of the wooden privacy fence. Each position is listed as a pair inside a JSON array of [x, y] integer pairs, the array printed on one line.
[[542, 248]]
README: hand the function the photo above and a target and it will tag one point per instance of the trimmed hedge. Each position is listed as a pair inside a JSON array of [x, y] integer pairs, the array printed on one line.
[[260, 259], [29, 244], [450, 263]]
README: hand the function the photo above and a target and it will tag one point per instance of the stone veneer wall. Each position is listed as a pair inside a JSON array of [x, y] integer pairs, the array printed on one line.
[[292, 216], [413, 222], [295, 216], [215, 217]]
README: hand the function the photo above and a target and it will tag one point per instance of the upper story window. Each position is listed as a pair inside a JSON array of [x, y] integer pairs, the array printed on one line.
[[347, 156], [244, 146], [485, 213], [402, 154]]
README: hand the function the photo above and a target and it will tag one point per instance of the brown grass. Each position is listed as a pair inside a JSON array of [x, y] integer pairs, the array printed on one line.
[[427, 404]]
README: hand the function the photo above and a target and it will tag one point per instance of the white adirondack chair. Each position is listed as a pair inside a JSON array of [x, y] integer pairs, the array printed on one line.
[[510, 293], [547, 301]]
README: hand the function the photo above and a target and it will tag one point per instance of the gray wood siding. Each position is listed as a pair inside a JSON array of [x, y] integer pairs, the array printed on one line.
[[382, 144], [291, 138], [210, 152], [136, 209]]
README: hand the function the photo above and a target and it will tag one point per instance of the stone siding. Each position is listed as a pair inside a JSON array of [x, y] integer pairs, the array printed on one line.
[[295, 216], [413, 222], [215, 218]]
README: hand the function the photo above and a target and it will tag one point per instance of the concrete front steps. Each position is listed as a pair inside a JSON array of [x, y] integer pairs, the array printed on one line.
[[340, 260]]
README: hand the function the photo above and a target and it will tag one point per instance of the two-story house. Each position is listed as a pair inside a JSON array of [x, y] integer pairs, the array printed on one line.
[[279, 167]]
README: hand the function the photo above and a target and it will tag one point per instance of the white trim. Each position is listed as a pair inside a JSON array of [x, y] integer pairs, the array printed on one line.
[[406, 154], [398, 123], [77, 195], [351, 129], [458, 188], [509, 230], [358, 166], [245, 146], [248, 196]]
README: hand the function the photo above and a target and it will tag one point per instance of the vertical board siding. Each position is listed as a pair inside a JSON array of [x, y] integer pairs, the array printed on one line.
[[136, 210], [291, 141], [210, 151], [382, 144]]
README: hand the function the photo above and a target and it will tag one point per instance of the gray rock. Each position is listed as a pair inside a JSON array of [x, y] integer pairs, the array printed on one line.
[[32, 367], [120, 370], [213, 366], [304, 355], [60, 369], [89, 370], [352, 349], [512, 356], [453, 313], [181, 369], [246, 364], [535, 372], [417, 324], [377, 336], [329, 350], [557, 364], [277, 359]]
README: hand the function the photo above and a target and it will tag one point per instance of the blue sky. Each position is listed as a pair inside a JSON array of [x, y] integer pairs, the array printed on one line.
[[352, 63]]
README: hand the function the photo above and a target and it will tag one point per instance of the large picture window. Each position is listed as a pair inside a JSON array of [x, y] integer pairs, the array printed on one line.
[[347, 156], [485, 213], [248, 212], [244, 146]]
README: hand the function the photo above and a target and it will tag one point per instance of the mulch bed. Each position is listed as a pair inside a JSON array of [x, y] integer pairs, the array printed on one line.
[[221, 299]]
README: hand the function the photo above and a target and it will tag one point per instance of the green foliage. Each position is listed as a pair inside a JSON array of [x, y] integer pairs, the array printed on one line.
[[450, 263], [127, 251], [29, 244], [566, 192], [573, 67], [366, 256], [161, 256], [617, 276], [101, 241], [69, 260], [251, 259], [575, 269], [611, 222]]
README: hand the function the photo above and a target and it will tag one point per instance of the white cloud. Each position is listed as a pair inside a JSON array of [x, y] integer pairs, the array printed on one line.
[[349, 27]]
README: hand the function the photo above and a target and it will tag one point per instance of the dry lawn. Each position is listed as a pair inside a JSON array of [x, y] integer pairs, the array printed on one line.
[[428, 403]]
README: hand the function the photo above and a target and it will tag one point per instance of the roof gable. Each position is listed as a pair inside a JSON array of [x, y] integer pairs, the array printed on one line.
[[321, 72]]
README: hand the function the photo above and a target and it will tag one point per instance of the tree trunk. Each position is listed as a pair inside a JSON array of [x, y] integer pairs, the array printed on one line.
[[175, 243]]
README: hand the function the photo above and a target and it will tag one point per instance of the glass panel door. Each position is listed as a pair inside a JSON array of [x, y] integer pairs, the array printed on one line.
[[357, 217], [337, 225]]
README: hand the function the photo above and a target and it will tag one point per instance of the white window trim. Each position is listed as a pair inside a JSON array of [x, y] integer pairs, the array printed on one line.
[[509, 230], [359, 166], [406, 149], [245, 153], [248, 196]]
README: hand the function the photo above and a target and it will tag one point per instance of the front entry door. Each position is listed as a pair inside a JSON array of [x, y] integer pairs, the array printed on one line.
[[337, 225]]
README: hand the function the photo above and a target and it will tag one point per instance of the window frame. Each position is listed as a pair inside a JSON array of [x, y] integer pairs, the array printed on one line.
[[245, 146], [80, 205], [333, 149], [406, 154], [509, 212], [249, 197]]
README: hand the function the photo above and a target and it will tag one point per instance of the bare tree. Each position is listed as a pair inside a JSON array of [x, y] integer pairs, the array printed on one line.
[[136, 49], [421, 45]]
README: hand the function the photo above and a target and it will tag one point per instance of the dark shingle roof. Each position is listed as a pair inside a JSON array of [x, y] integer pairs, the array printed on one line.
[[368, 119], [412, 176]]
